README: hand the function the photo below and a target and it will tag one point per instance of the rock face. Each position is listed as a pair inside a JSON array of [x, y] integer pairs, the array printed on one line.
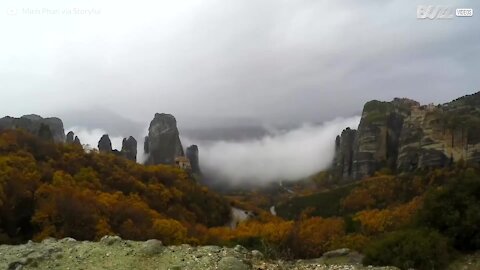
[[163, 143], [344, 153], [402, 135], [47, 128], [45, 133], [105, 145], [192, 155], [129, 148], [146, 144]]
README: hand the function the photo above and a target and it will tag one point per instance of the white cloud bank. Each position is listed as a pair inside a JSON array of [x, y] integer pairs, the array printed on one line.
[[281, 155], [289, 155]]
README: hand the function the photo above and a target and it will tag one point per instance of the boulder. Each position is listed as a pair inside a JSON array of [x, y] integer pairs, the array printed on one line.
[[110, 240], [232, 263], [152, 247]]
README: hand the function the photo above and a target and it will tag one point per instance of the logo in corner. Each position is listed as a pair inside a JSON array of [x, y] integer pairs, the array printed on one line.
[[435, 12]]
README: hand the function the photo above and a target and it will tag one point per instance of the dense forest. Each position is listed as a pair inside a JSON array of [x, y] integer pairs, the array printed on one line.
[[418, 219], [59, 190]]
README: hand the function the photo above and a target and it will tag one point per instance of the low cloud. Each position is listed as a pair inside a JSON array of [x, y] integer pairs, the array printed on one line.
[[282, 155]]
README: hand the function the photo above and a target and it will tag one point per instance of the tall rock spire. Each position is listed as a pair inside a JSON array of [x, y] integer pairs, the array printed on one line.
[[105, 145], [192, 155], [129, 148], [163, 144]]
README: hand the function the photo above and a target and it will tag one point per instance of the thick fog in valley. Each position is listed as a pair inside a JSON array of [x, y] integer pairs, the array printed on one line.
[[263, 87], [279, 156]]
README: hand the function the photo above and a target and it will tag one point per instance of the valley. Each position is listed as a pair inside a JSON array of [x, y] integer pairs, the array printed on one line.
[[393, 181]]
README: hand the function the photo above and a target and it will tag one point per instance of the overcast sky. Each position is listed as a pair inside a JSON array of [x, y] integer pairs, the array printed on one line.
[[274, 61]]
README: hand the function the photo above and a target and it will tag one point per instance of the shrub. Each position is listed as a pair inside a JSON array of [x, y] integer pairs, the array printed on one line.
[[454, 210], [414, 248]]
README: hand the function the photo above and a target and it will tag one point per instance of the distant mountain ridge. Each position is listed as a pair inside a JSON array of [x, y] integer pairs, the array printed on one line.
[[402, 135]]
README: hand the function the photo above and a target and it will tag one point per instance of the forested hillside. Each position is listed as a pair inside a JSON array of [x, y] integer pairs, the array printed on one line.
[[57, 190]]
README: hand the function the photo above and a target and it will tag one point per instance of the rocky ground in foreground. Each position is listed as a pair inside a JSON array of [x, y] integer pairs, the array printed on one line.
[[114, 253]]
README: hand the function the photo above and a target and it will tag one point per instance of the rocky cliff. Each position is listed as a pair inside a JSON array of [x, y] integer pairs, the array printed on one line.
[[403, 135], [344, 153], [163, 142], [47, 128]]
